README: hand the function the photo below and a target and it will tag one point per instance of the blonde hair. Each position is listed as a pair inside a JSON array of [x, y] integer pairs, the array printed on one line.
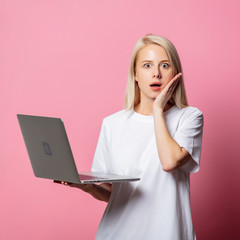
[[132, 93]]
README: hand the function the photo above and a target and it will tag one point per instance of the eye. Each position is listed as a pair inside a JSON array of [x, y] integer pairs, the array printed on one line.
[[165, 65], [146, 65]]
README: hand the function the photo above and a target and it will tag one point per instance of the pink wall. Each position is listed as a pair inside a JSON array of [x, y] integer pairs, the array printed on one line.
[[57, 60]]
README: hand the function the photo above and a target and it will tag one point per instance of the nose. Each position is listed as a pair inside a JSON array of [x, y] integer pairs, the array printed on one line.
[[157, 73]]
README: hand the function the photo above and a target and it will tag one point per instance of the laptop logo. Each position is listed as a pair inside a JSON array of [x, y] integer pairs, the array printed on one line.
[[46, 148]]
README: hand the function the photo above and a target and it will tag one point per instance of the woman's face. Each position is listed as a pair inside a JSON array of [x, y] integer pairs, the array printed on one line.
[[152, 66]]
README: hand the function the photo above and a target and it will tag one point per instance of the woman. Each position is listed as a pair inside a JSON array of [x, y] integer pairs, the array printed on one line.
[[156, 137]]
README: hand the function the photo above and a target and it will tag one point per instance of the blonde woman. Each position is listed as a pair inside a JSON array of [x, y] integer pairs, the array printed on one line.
[[156, 137]]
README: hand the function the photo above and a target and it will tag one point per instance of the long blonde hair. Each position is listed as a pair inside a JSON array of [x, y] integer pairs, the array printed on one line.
[[132, 93]]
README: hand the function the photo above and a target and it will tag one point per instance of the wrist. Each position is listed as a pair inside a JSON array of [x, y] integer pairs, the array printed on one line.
[[157, 110]]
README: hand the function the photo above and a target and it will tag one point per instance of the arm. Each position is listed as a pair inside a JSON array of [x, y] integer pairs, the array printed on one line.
[[101, 192], [171, 155]]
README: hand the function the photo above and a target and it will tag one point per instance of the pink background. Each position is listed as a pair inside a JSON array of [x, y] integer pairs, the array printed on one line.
[[69, 59]]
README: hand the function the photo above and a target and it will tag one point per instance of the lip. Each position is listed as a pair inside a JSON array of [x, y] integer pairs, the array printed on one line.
[[155, 88], [156, 83]]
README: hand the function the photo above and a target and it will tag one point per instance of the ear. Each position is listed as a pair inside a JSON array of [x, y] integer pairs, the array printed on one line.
[[135, 76]]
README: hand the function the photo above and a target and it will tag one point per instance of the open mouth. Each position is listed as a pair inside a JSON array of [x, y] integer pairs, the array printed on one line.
[[155, 86]]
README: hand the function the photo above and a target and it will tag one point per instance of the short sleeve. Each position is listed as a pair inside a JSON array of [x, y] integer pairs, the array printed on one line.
[[102, 152], [189, 136]]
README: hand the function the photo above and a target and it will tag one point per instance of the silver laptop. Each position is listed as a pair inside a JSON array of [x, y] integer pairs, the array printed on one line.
[[50, 152]]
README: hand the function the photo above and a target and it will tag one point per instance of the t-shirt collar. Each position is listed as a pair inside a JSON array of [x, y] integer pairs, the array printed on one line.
[[149, 118]]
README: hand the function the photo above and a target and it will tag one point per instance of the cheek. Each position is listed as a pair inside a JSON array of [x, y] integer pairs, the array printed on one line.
[[143, 83], [143, 76], [168, 77]]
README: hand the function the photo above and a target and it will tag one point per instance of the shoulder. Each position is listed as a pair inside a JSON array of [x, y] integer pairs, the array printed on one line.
[[191, 111], [190, 114], [117, 117]]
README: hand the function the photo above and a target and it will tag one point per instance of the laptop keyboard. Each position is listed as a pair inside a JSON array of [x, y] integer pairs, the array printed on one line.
[[88, 177]]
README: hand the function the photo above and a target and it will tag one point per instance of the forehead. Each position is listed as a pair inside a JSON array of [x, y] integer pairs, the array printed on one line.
[[152, 52]]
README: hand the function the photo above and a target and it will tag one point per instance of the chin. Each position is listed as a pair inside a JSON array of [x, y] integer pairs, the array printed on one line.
[[155, 94], [152, 95]]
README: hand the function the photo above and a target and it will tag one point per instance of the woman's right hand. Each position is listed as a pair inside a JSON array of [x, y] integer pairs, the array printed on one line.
[[101, 192], [84, 187]]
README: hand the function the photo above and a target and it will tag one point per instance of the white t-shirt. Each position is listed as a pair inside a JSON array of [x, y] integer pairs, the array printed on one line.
[[158, 206]]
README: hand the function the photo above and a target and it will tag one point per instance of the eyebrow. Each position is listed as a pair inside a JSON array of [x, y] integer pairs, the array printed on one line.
[[152, 61]]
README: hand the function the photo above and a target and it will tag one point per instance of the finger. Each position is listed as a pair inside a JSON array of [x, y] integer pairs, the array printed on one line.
[[73, 184], [172, 90], [68, 183], [56, 181], [171, 87], [173, 83], [173, 80], [64, 183], [76, 185], [177, 76]]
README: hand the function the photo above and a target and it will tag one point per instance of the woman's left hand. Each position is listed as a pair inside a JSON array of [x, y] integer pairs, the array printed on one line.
[[164, 96]]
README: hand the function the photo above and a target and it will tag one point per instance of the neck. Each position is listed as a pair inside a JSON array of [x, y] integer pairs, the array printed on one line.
[[146, 109]]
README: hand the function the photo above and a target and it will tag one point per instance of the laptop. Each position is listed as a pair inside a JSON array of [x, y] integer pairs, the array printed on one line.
[[51, 155]]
